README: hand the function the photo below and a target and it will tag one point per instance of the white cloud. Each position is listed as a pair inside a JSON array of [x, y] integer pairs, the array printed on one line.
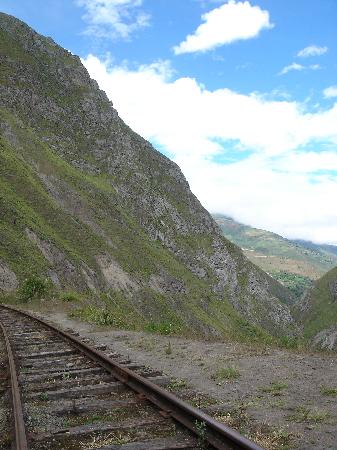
[[330, 92], [275, 184], [298, 67], [316, 163], [312, 50], [292, 66], [113, 18], [230, 22]]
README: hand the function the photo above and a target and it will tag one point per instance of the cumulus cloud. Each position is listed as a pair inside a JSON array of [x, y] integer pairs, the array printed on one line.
[[243, 155], [113, 18], [312, 50], [330, 92], [230, 22]]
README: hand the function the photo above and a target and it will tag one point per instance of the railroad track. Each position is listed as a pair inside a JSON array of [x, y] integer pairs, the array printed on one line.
[[62, 393]]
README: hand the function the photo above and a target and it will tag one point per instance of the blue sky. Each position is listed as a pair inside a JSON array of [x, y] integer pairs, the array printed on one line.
[[241, 94]]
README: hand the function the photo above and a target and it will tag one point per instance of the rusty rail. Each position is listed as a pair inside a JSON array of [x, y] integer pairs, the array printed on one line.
[[218, 435], [19, 424]]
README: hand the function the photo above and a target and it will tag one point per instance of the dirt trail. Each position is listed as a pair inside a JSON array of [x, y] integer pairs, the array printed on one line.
[[291, 397]]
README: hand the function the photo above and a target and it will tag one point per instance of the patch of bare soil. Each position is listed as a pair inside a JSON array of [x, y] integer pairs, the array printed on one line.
[[282, 399]]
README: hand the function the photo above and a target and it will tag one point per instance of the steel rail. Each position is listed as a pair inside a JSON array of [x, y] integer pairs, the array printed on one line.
[[19, 423], [218, 435]]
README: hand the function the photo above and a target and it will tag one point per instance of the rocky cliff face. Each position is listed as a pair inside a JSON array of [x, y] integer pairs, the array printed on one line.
[[92, 205], [317, 312]]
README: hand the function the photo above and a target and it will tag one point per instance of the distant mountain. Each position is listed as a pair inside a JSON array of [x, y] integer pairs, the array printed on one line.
[[294, 263], [317, 312], [320, 247]]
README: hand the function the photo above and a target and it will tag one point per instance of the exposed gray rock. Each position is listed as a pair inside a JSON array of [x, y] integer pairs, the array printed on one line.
[[8, 280], [333, 289], [114, 275], [62, 268], [326, 339], [166, 284]]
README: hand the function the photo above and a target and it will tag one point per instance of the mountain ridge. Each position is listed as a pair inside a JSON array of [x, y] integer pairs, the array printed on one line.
[[94, 207]]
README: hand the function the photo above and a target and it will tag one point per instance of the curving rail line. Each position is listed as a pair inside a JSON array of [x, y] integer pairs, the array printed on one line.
[[211, 434], [19, 424]]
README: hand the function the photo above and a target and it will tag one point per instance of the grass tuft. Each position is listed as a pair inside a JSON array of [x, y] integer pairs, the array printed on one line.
[[226, 373], [305, 414], [329, 391], [275, 388]]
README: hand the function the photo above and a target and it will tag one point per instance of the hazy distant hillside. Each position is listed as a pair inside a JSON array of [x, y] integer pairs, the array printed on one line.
[[295, 263], [320, 247]]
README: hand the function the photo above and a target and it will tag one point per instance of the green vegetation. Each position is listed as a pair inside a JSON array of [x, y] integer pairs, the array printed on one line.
[[305, 414], [297, 284], [104, 317], [70, 296], [276, 388], [329, 391], [162, 328], [269, 437], [177, 383], [226, 373], [33, 287], [290, 342], [200, 428], [321, 312]]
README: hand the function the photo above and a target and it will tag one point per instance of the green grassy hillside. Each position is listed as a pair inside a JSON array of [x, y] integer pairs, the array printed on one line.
[[296, 264], [93, 208], [317, 311]]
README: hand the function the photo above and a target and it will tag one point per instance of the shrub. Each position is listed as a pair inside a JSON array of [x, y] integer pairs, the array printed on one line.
[[69, 296], [290, 342], [165, 328], [33, 287], [98, 316]]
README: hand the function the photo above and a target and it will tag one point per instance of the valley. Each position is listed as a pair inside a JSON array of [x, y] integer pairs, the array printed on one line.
[[296, 264]]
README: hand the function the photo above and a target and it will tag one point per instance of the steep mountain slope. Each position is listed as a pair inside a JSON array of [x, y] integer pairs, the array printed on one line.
[[317, 311], [90, 204], [296, 263]]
